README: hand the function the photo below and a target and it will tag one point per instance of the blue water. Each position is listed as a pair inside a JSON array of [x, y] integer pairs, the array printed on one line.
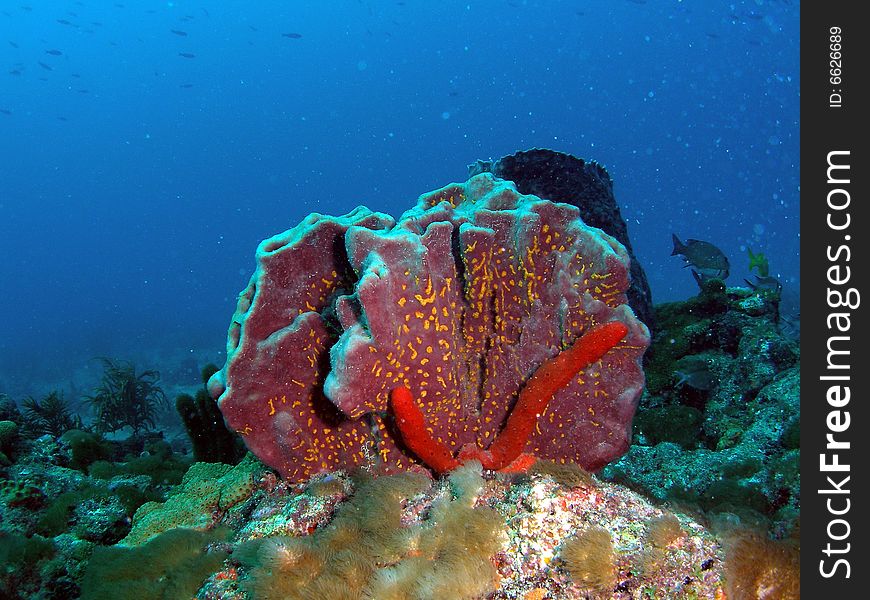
[[135, 183]]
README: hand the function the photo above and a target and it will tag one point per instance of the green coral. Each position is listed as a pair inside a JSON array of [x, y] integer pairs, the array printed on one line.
[[85, 448], [8, 437], [157, 462], [205, 488], [20, 560], [172, 565], [8, 433], [56, 518], [17, 493]]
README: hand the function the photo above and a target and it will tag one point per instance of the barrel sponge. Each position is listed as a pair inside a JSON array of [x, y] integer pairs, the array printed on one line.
[[460, 301]]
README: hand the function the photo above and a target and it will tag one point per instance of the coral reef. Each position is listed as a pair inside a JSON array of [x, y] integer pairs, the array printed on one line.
[[172, 565], [373, 549], [470, 535], [236, 533], [460, 301], [718, 425], [207, 490], [483, 335], [8, 438]]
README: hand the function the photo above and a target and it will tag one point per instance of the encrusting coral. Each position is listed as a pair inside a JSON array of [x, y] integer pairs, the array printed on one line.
[[172, 565], [207, 490], [377, 548]]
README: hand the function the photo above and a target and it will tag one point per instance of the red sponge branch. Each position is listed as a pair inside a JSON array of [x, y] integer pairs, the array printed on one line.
[[416, 435], [548, 379]]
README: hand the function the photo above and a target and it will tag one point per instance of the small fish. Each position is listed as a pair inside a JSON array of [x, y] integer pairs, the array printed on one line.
[[76, 75], [706, 258], [13, 44], [54, 52], [83, 91], [758, 261], [179, 32], [63, 22], [187, 55], [766, 282], [62, 119], [15, 72], [186, 85], [45, 66], [291, 35], [5, 111], [694, 371]]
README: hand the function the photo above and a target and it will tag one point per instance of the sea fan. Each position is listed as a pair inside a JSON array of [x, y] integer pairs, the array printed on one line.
[[124, 398], [51, 415]]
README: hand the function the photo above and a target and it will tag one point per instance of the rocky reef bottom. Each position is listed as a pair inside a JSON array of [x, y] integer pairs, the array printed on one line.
[[704, 505], [555, 532]]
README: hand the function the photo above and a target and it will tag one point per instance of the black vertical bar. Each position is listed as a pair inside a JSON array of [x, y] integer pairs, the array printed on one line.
[[835, 447]]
